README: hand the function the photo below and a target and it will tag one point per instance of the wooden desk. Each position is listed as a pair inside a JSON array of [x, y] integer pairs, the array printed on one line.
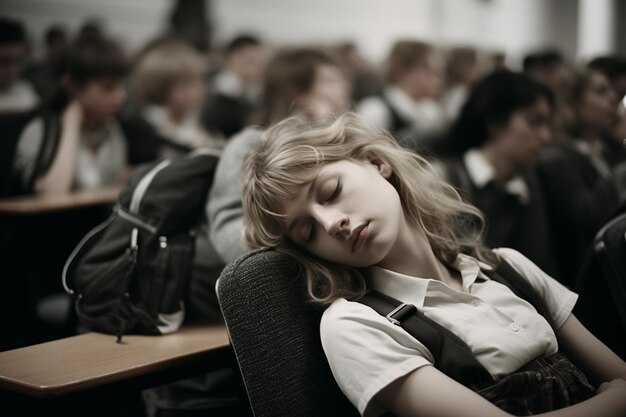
[[93, 360], [42, 204]]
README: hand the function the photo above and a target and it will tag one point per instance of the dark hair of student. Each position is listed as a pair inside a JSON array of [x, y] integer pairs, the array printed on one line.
[[491, 102], [88, 59], [613, 66], [542, 59], [11, 31], [288, 75], [240, 42]]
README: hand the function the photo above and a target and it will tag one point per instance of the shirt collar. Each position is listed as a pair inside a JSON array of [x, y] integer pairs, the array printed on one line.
[[401, 102], [481, 173], [413, 290], [227, 83]]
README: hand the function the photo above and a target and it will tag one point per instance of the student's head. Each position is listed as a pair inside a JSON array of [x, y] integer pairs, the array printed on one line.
[[13, 51], [592, 105], [55, 40], [614, 67], [94, 71], [302, 81], [509, 111], [547, 66], [462, 65], [170, 74], [338, 195], [416, 68], [245, 55]]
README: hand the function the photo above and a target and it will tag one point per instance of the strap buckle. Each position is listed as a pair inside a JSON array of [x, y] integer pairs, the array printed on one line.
[[400, 313]]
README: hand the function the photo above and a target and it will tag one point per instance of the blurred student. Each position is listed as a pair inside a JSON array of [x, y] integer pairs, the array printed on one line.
[[16, 94], [409, 101], [77, 143], [614, 68], [233, 93], [461, 73], [500, 133], [43, 73], [300, 81], [168, 84], [365, 78], [578, 179]]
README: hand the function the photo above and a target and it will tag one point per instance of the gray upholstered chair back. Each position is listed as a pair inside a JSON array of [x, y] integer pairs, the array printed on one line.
[[275, 336]]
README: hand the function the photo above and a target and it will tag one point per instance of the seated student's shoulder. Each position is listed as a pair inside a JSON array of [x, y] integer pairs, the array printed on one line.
[[348, 327], [366, 352]]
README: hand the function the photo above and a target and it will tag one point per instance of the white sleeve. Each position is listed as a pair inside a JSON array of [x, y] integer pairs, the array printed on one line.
[[559, 300], [27, 150], [224, 208], [366, 352]]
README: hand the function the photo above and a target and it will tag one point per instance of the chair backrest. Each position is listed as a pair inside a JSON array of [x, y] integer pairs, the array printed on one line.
[[610, 248], [602, 285], [275, 336]]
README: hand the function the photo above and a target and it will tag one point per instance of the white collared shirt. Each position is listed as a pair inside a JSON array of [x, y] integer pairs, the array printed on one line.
[[482, 172], [425, 115], [366, 352], [229, 84], [93, 168]]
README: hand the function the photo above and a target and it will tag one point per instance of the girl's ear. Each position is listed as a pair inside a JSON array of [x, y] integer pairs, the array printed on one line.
[[383, 167]]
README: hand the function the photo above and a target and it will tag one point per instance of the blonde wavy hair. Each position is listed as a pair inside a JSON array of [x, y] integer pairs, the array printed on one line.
[[292, 153]]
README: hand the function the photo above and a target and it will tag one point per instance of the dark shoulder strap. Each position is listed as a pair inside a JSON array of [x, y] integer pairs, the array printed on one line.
[[452, 356], [507, 275]]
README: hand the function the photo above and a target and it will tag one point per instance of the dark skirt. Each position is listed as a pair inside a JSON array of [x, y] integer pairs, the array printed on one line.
[[545, 384]]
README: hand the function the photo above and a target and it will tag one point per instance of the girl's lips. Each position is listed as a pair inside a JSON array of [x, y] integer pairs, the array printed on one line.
[[361, 237]]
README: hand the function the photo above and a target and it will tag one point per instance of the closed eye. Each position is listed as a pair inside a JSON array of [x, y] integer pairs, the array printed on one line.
[[334, 194]]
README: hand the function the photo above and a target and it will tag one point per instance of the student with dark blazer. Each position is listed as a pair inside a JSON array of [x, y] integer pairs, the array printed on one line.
[[495, 142], [578, 179]]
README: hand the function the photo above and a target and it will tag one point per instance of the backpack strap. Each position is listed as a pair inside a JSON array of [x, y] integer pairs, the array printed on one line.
[[48, 148], [451, 355], [507, 275]]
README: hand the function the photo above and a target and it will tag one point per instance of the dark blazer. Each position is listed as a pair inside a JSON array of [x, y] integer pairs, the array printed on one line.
[[510, 223], [579, 200]]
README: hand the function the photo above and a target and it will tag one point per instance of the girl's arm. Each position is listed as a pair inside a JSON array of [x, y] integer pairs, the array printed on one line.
[[60, 175], [428, 392], [592, 356]]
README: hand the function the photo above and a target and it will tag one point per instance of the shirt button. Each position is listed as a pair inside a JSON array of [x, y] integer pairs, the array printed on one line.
[[515, 327], [475, 302]]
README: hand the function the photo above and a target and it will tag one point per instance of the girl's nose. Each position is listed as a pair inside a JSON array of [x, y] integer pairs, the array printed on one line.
[[334, 222]]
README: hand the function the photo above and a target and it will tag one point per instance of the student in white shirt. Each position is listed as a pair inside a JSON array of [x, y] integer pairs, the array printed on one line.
[[16, 94], [361, 212], [408, 106]]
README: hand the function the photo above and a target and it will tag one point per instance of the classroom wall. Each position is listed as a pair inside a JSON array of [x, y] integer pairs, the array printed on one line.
[[513, 26]]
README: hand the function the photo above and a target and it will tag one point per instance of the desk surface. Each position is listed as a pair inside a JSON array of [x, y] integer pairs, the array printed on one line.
[[41, 204], [94, 359]]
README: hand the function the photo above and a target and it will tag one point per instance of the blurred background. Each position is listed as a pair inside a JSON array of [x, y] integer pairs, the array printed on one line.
[[578, 28]]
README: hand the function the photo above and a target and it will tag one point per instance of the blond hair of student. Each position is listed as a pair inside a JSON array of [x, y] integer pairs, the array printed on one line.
[[293, 151]]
